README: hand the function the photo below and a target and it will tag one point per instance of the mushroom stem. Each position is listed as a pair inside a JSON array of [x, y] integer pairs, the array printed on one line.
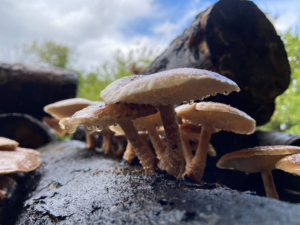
[[187, 150], [107, 145], [156, 141], [129, 154], [195, 170], [143, 152], [269, 184], [121, 148], [173, 159], [90, 140]]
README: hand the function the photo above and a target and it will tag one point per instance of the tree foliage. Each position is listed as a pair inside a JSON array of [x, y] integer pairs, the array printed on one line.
[[91, 84], [49, 52], [287, 114]]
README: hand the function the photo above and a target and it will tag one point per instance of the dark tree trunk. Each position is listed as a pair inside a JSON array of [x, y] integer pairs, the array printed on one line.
[[235, 39], [27, 89]]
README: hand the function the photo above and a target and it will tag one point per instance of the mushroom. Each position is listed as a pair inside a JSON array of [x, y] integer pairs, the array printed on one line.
[[149, 124], [212, 116], [258, 159], [190, 132], [107, 145], [8, 144], [102, 115], [54, 124], [119, 139], [163, 90], [290, 164], [67, 108], [20, 160]]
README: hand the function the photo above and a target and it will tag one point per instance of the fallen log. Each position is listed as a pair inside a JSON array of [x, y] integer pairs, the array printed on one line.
[[27, 89], [235, 39]]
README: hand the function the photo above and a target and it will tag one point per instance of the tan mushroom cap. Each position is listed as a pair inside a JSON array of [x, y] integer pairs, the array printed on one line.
[[254, 160], [8, 144], [67, 107], [169, 87], [218, 115], [103, 115], [18, 161], [290, 164]]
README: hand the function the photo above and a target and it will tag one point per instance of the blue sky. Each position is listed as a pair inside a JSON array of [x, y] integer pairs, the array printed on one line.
[[95, 29]]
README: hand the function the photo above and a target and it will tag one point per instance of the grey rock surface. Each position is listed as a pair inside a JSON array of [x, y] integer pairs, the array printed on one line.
[[79, 186]]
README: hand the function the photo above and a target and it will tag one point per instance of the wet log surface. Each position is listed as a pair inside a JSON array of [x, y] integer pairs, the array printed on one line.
[[25, 129], [234, 38], [78, 186], [27, 89]]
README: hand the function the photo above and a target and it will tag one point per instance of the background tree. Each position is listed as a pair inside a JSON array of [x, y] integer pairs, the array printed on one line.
[[287, 114], [49, 52]]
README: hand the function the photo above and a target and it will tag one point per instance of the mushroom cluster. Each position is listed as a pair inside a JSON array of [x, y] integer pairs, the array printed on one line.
[[141, 108], [145, 103], [263, 159], [15, 159]]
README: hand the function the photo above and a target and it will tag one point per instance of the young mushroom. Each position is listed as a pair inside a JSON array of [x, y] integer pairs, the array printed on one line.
[[190, 132], [54, 124], [258, 159], [107, 145], [164, 90], [67, 108], [102, 115], [119, 139], [8, 144], [212, 116], [20, 160]]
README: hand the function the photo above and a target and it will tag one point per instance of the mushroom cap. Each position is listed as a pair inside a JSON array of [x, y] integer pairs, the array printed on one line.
[[18, 161], [218, 115], [54, 124], [142, 122], [104, 115], [253, 160], [8, 144], [290, 164], [169, 87], [67, 107], [190, 131]]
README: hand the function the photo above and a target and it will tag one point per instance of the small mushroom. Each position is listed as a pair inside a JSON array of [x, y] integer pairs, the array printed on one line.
[[67, 108], [8, 144], [54, 124], [190, 132], [101, 115], [290, 164], [212, 116], [164, 90], [258, 159], [20, 160], [119, 139], [107, 145]]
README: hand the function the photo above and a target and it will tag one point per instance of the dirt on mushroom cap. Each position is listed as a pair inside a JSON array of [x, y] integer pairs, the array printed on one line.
[[170, 87]]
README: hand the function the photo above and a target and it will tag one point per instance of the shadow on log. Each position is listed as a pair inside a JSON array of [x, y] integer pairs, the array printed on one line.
[[235, 39]]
